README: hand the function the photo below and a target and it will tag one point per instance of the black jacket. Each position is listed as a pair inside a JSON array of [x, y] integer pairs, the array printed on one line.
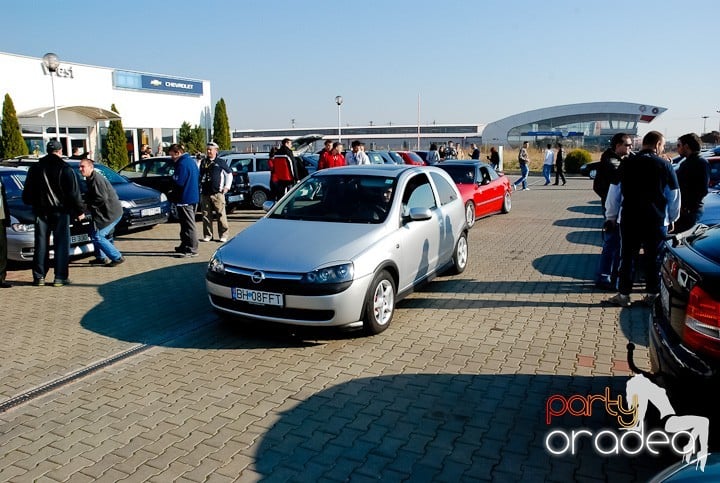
[[52, 186], [693, 176], [5, 207], [102, 201], [211, 175], [607, 173]]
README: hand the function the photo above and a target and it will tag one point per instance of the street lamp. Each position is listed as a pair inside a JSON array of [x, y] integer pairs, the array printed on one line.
[[704, 123], [52, 63], [339, 101]]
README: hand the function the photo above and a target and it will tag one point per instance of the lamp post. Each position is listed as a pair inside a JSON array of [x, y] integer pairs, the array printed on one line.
[[704, 124], [719, 122], [339, 101], [52, 63]]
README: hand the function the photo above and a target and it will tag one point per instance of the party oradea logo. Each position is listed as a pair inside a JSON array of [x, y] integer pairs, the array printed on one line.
[[684, 435]]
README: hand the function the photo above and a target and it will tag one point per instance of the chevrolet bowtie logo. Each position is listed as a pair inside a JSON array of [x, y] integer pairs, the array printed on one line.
[[155, 82]]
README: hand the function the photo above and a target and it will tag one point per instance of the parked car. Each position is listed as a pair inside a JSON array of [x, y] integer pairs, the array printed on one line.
[[157, 172], [142, 207], [411, 157], [685, 325], [350, 222], [589, 169], [484, 191], [384, 157], [21, 232], [711, 209], [423, 155]]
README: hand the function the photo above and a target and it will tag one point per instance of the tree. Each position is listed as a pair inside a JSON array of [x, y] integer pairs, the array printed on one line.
[[116, 153], [199, 139], [193, 138], [11, 143], [185, 135], [221, 125]]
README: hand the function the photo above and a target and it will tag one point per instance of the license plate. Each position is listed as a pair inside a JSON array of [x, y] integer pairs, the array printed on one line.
[[665, 300], [79, 238], [234, 198], [150, 211], [258, 297]]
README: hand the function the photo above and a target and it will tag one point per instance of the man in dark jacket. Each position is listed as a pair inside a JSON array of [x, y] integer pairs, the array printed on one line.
[[104, 206], [215, 181], [4, 223], [51, 188], [185, 195], [607, 174], [693, 176]]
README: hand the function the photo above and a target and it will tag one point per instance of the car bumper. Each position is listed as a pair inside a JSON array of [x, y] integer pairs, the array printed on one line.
[[144, 216], [21, 248], [344, 308]]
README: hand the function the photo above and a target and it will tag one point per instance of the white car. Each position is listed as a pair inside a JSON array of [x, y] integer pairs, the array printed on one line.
[[342, 247]]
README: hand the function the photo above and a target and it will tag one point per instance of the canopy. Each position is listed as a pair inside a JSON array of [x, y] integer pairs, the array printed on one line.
[[94, 113]]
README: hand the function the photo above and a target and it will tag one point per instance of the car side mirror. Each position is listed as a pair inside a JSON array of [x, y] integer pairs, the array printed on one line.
[[420, 214]]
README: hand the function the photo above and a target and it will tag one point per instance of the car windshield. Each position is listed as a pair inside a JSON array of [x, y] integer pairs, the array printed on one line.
[[110, 175], [339, 199], [460, 174]]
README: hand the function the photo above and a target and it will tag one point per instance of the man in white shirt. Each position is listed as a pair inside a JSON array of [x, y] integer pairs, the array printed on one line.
[[357, 154], [548, 164]]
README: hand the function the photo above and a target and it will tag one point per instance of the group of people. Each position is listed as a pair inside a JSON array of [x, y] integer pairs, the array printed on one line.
[[552, 159], [643, 200]]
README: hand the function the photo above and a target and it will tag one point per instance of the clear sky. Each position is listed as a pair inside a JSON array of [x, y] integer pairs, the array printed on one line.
[[468, 61]]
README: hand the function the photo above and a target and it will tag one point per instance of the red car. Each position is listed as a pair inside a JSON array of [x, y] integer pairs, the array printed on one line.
[[411, 158], [484, 190]]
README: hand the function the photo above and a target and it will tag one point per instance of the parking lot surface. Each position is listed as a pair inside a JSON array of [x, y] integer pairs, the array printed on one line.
[[127, 374]]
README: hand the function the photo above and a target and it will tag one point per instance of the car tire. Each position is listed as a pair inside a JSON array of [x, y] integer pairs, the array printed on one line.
[[470, 214], [507, 203], [379, 303], [258, 197], [460, 255]]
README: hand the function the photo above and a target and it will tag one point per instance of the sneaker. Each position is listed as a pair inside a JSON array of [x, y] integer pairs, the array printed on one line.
[[61, 282], [115, 263], [98, 261], [621, 300], [526, 189], [223, 239], [650, 299], [206, 239], [39, 282], [190, 254], [514, 187]]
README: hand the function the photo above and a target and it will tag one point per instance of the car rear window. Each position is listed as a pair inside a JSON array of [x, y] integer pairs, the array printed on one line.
[[708, 244]]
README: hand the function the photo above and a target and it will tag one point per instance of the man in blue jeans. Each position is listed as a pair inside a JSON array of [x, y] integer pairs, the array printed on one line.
[[523, 160], [103, 203]]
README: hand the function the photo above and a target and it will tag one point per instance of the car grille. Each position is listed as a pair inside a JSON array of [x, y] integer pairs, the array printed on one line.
[[285, 283], [270, 311], [146, 201]]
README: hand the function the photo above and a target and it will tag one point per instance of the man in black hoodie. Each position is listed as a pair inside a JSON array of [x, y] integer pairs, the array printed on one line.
[[51, 188], [693, 176]]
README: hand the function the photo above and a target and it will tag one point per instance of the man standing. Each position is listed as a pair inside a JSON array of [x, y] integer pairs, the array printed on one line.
[[559, 160], [332, 159], [215, 181], [4, 223], [607, 174], [104, 206], [523, 160], [645, 201], [450, 151], [548, 164], [693, 176], [475, 153], [51, 188], [185, 195], [285, 149], [357, 154]]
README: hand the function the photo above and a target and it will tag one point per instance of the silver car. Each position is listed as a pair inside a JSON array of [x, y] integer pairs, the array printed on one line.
[[342, 247]]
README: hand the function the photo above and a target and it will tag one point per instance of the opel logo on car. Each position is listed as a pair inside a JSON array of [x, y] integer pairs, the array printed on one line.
[[257, 276]]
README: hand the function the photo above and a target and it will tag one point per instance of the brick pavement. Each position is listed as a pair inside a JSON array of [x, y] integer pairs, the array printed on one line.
[[454, 390]]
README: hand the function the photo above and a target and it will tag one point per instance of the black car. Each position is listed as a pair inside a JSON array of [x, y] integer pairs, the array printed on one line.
[[590, 169], [685, 324], [157, 172], [142, 207]]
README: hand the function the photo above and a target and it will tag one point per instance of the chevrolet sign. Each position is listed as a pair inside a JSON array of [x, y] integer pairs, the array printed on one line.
[[174, 85]]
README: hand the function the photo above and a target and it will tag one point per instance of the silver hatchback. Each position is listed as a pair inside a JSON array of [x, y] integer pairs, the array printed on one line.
[[343, 247]]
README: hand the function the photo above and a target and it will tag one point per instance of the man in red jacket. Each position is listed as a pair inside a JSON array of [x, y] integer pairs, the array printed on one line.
[[333, 158]]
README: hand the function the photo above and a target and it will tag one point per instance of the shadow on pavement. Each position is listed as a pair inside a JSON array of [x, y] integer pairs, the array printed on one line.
[[587, 237], [587, 210], [579, 266], [447, 427], [589, 223], [169, 307]]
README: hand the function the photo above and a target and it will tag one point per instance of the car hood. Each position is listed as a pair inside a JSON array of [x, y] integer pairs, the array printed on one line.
[[132, 191], [297, 245], [22, 212]]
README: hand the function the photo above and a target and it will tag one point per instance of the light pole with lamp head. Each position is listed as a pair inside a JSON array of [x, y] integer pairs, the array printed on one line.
[[52, 63], [339, 101], [704, 124]]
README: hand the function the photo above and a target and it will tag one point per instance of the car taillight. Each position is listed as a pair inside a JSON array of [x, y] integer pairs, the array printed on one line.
[[702, 323]]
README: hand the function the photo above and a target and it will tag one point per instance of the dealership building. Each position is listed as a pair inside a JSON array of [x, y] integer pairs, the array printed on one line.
[[151, 106]]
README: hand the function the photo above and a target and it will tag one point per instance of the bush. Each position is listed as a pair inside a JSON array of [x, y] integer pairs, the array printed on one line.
[[575, 159]]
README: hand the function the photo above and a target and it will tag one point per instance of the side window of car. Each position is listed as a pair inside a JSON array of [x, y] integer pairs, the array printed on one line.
[[12, 190], [132, 171], [484, 176], [418, 194], [446, 191], [263, 164]]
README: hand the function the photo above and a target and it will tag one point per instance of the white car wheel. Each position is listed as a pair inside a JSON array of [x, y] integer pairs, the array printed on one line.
[[379, 303], [470, 214]]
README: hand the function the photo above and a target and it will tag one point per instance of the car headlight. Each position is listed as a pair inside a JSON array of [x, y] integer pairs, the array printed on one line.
[[127, 204], [163, 198], [216, 265], [22, 227], [335, 274]]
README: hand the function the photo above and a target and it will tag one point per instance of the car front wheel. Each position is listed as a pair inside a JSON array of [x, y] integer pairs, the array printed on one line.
[[507, 203], [470, 213], [259, 197], [379, 304]]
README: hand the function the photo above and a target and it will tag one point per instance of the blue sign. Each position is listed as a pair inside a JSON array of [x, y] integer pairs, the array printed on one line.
[[174, 85]]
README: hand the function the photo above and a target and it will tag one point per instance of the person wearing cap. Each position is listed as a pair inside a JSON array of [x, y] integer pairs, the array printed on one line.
[[185, 194], [215, 180], [51, 188]]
